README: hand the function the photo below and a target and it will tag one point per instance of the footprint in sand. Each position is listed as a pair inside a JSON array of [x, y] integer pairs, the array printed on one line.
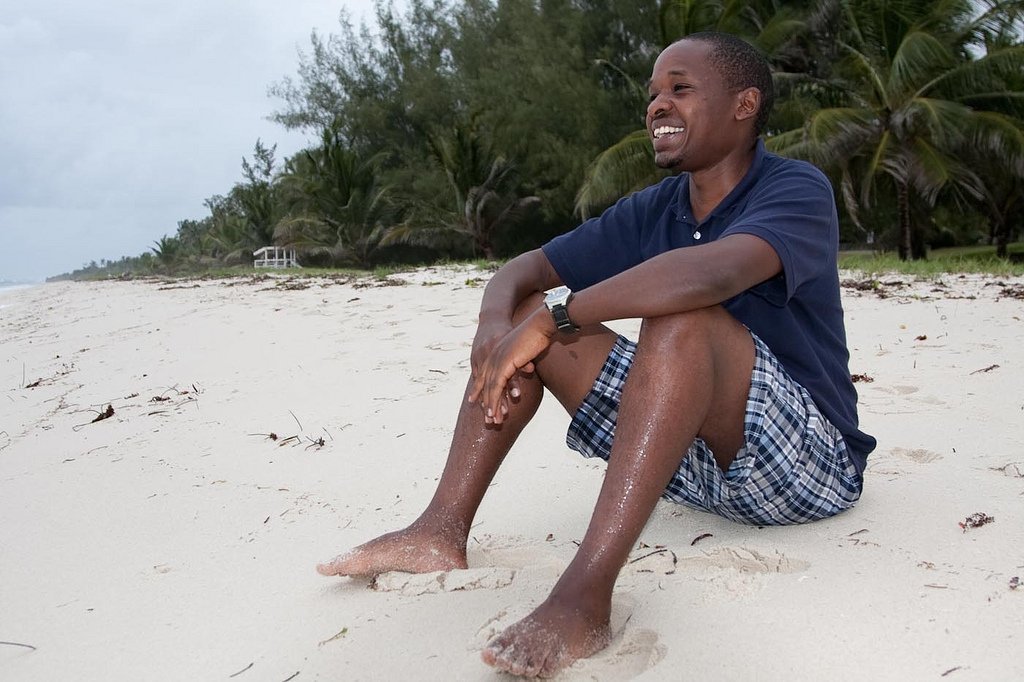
[[898, 389], [725, 572], [415, 584], [632, 651], [919, 455], [739, 559]]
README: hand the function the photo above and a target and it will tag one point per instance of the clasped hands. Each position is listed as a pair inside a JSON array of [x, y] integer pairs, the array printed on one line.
[[500, 352]]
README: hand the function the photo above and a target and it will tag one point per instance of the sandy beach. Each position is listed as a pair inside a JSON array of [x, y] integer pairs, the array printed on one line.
[[256, 426]]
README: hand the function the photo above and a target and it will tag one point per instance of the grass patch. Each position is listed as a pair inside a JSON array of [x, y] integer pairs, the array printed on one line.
[[956, 260]]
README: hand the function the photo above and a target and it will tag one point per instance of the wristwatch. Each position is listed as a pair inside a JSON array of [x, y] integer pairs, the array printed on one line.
[[557, 301]]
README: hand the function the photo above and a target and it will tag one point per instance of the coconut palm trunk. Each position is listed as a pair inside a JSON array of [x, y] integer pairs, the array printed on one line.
[[906, 226]]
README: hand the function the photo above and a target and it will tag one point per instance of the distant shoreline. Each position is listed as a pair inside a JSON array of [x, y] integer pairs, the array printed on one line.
[[9, 287]]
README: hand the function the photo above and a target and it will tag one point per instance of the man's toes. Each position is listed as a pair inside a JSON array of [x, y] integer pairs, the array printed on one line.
[[332, 567], [552, 666], [490, 655]]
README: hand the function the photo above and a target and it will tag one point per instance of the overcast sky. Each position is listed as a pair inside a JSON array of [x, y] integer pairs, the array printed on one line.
[[118, 117]]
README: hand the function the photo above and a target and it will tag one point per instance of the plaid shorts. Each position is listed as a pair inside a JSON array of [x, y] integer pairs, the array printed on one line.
[[794, 466]]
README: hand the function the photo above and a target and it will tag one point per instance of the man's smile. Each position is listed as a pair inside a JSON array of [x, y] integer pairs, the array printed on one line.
[[666, 130]]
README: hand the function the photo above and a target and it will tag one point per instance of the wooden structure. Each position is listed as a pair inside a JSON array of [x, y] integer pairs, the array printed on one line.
[[274, 257]]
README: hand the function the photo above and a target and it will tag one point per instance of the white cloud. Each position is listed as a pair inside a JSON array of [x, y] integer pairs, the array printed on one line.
[[118, 118]]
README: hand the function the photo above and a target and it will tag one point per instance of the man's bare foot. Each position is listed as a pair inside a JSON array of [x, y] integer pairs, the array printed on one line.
[[411, 550], [549, 639]]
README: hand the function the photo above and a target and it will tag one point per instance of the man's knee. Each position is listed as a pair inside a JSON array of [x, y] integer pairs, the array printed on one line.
[[710, 323]]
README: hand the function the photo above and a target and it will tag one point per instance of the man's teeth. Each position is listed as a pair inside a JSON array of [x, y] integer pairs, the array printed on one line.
[[666, 130]]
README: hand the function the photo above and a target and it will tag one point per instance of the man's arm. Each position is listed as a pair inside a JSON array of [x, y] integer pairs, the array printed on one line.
[[679, 280], [674, 282], [516, 280]]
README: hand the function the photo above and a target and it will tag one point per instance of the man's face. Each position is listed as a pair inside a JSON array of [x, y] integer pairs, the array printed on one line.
[[691, 115]]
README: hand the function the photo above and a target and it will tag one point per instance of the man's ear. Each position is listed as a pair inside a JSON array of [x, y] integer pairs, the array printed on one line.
[[748, 103]]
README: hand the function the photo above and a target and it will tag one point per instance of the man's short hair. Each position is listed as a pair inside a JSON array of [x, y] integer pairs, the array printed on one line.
[[741, 66]]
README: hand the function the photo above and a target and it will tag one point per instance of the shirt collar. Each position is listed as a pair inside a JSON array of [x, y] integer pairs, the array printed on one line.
[[682, 207]]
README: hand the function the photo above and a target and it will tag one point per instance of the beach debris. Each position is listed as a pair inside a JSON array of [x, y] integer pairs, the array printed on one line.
[[27, 646], [178, 286], [659, 566], [922, 337], [378, 282], [858, 378], [240, 671], [550, 537], [65, 369], [700, 537], [976, 520], [1016, 291], [985, 369], [318, 443], [291, 677], [342, 633], [1013, 469], [952, 670], [875, 286], [1015, 582], [105, 414], [293, 284], [163, 397]]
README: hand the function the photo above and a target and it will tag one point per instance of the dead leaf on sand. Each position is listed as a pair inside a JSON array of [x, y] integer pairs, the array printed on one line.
[[976, 520]]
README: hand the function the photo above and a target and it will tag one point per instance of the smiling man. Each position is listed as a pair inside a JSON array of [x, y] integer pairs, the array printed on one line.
[[736, 398]]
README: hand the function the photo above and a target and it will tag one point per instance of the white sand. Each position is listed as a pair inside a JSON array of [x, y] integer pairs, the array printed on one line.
[[172, 541]]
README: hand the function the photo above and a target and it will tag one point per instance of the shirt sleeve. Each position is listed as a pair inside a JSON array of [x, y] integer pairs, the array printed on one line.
[[602, 247], [795, 212]]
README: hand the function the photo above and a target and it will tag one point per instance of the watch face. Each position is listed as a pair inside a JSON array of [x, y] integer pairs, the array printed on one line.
[[557, 296]]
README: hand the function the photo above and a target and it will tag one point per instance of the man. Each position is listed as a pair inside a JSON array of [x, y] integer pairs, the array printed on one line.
[[737, 397]]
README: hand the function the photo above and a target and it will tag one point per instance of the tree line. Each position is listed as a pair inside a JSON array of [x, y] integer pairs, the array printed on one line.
[[482, 128]]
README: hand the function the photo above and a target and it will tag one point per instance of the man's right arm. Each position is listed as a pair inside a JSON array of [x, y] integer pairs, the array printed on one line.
[[523, 275]]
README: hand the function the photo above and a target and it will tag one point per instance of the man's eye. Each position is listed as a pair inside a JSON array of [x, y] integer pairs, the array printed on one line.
[[651, 97], [679, 87]]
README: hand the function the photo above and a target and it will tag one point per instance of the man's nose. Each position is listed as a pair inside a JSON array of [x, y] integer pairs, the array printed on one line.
[[656, 106]]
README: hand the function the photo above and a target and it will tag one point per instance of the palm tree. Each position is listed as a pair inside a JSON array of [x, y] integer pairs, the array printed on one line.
[[482, 204], [167, 251], [338, 207], [916, 103]]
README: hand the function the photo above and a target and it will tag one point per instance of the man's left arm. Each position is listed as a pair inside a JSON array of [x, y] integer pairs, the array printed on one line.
[[676, 281], [680, 280]]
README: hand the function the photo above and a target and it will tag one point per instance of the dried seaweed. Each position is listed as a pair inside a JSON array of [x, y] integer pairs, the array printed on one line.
[[976, 520]]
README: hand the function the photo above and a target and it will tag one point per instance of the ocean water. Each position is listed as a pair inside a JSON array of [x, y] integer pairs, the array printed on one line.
[[7, 288]]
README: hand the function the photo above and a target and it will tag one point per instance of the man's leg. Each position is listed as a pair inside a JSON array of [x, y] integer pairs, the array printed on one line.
[[690, 378], [437, 539]]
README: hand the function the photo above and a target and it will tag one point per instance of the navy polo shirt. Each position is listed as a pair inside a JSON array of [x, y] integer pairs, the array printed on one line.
[[798, 314]]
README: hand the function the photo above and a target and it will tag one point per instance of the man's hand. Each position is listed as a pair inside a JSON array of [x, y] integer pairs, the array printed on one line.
[[496, 361]]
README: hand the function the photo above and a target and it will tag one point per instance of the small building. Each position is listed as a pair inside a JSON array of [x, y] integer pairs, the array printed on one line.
[[274, 257]]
